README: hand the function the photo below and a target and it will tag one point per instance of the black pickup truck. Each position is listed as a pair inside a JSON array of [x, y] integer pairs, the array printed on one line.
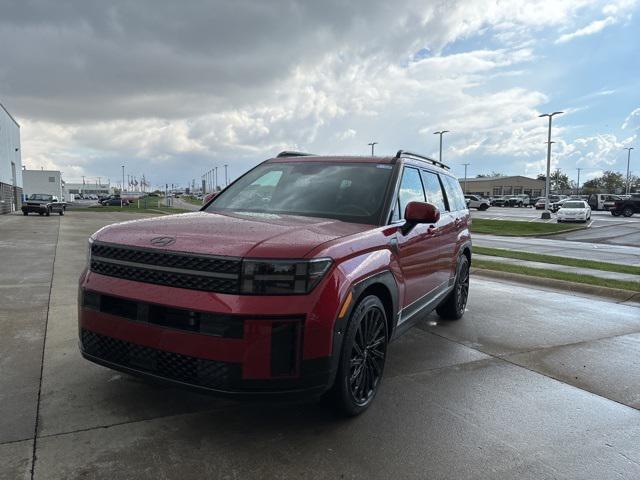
[[43, 204], [626, 206]]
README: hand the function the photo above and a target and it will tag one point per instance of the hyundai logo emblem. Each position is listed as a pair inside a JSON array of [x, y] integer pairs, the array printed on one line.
[[163, 241]]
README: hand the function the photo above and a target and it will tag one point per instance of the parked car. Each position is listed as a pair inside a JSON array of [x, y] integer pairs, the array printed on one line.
[[598, 201], [43, 204], [518, 201], [574, 211], [499, 202], [290, 283], [114, 201], [474, 201], [626, 206]]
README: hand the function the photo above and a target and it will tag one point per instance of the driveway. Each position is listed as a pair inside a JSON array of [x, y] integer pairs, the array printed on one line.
[[531, 383]]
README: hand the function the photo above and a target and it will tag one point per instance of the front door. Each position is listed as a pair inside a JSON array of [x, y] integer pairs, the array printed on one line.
[[417, 250]]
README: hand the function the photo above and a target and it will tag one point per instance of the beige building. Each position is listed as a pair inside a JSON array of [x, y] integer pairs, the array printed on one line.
[[496, 186]]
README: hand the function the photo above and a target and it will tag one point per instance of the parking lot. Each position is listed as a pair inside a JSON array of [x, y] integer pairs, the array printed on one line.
[[603, 227], [531, 383]]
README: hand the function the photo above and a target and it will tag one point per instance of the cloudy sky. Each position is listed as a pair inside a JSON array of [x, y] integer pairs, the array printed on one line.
[[171, 88]]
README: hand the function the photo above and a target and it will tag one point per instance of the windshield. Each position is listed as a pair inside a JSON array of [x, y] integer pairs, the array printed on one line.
[[349, 192], [40, 196], [573, 205]]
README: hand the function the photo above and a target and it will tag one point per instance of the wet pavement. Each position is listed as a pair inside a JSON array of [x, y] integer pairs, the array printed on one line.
[[531, 383]]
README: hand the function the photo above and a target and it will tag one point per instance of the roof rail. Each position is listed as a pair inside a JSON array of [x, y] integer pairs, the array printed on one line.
[[288, 153], [405, 153]]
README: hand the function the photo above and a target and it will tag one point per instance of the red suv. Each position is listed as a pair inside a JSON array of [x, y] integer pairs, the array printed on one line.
[[289, 283]]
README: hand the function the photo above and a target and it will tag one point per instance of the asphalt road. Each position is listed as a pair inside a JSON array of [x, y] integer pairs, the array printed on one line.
[[604, 228], [531, 383]]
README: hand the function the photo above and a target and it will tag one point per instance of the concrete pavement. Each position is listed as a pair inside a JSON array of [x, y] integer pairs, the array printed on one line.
[[529, 384]]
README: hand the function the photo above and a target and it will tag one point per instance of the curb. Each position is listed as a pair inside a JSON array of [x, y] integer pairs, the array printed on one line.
[[613, 293]]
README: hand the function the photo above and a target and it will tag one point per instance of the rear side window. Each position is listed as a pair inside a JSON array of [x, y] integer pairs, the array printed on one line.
[[433, 190], [454, 193]]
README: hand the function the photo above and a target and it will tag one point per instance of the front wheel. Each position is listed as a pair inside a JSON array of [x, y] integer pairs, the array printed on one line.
[[362, 360], [452, 308], [627, 211], [615, 213]]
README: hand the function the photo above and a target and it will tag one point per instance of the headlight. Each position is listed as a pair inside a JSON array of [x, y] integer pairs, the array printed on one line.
[[282, 277]]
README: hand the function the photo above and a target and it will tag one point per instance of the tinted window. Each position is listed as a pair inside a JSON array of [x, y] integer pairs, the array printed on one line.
[[454, 193], [350, 192], [410, 188], [433, 190]]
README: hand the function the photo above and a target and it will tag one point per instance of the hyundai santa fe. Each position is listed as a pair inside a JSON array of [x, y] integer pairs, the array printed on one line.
[[288, 284]]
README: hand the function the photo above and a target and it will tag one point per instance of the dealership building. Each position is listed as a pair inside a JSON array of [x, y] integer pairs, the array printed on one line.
[[497, 186], [10, 163], [89, 188]]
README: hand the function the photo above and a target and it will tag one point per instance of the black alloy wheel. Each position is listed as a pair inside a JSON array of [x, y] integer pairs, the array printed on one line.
[[627, 211], [364, 352], [453, 307]]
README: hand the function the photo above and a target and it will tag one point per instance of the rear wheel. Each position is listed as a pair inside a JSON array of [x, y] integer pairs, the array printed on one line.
[[615, 213], [25, 213], [627, 211], [454, 305], [362, 360]]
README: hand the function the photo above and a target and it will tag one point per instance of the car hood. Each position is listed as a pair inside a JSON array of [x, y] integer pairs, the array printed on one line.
[[232, 234]]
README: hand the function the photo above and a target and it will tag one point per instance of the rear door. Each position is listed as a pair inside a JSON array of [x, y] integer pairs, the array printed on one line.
[[457, 231]]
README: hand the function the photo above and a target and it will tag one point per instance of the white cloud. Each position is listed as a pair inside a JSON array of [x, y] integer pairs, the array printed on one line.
[[594, 27]]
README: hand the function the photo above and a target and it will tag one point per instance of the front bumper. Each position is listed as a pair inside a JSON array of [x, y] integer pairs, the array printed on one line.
[[270, 347]]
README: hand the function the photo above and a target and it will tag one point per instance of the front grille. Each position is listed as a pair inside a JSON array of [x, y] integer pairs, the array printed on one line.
[[160, 277], [167, 259], [173, 366], [175, 269]]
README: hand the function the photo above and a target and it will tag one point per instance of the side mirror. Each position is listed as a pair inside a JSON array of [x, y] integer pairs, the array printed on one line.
[[419, 212]]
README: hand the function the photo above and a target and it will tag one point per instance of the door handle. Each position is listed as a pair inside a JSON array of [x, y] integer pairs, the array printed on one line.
[[431, 230], [457, 222]]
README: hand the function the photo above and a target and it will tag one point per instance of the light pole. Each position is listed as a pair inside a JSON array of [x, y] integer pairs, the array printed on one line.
[[122, 189], [546, 214], [578, 186], [628, 149], [226, 177], [441, 132], [465, 176], [372, 145]]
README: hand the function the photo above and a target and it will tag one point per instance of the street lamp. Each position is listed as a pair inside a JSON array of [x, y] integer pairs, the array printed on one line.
[[546, 214], [441, 132], [372, 145], [578, 186], [465, 176], [122, 189], [628, 149]]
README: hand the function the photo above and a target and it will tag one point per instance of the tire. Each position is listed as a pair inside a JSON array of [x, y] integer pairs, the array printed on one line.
[[61, 212], [559, 221], [48, 212], [40, 213], [452, 308], [25, 213], [483, 207], [627, 211], [354, 392], [615, 213]]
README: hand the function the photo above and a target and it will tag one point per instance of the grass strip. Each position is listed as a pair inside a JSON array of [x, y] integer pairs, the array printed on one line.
[[569, 277], [191, 200], [515, 228], [553, 259]]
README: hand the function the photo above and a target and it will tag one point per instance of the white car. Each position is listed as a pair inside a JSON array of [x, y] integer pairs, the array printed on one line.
[[574, 211], [474, 201]]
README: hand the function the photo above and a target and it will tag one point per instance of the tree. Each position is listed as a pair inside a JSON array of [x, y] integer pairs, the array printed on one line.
[[492, 174], [559, 181], [608, 182]]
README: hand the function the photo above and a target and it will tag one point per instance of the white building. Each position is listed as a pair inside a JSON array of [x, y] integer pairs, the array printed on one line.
[[43, 181], [10, 163], [89, 188]]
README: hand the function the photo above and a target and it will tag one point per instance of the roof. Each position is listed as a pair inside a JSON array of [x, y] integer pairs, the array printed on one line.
[[336, 159], [10, 116], [490, 179]]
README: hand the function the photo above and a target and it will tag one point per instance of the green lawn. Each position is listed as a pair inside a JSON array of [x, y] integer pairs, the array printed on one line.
[[191, 200], [570, 277], [553, 259], [511, 228], [152, 205]]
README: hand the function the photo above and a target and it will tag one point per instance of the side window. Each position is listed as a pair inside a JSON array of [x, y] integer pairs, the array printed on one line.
[[454, 193], [433, 190], [410, 189]]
